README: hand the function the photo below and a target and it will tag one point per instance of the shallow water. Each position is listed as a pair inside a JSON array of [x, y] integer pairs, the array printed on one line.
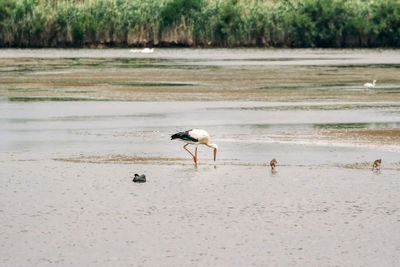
[[66, 166], [247, 132], [225, 57]]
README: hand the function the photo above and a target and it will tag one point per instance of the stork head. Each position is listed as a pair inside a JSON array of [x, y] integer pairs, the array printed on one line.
[[215, 147]]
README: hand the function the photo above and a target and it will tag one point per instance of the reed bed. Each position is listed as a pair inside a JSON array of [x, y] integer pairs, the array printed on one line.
[[215, 23]]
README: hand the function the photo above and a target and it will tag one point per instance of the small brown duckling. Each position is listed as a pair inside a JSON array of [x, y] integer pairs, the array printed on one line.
[[273, 163], [377, 164]]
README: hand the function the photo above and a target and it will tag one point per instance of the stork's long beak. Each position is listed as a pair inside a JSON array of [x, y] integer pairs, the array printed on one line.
[[215, 154]]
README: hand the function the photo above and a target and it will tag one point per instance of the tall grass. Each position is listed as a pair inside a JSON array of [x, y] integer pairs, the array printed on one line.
[[285, 23]]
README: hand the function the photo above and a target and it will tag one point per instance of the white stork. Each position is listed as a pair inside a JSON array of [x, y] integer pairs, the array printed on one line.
[[370, 85], [195, 137]]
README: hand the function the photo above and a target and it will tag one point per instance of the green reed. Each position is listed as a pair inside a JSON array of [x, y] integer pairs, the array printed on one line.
[[228, 23]]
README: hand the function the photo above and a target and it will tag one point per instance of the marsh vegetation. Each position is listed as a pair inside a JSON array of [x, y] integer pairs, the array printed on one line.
[[232, 23]]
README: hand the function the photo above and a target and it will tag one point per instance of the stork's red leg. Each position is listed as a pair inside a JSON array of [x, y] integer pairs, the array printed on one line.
[[195, 161], [194, 157]]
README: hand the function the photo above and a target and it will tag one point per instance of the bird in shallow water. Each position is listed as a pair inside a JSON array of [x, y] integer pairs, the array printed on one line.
[[143, 51], [377, 164], [195, 137], [370, 85], [273, 164], [139, 178]]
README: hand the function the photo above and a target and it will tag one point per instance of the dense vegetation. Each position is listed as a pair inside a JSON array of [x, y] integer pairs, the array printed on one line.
[[284, 23]]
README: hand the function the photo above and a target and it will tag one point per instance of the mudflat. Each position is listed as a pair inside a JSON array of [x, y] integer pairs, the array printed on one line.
[[76, 125]]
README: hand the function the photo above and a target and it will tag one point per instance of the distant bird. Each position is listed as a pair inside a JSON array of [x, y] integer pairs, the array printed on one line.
[[147, 50], [273, 163], [143, 51], [370, 85], [377, 164], [139, 178], [195, 137]]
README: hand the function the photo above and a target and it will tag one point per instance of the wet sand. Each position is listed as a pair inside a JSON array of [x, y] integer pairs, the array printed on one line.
[[78, 214], [68, 198], [67, 159]]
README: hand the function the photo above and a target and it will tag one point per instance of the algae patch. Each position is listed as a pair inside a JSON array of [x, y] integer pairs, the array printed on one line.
[[121, 159], [55, 99]]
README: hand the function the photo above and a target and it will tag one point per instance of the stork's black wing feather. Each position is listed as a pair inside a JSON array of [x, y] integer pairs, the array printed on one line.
[[184, 136]]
